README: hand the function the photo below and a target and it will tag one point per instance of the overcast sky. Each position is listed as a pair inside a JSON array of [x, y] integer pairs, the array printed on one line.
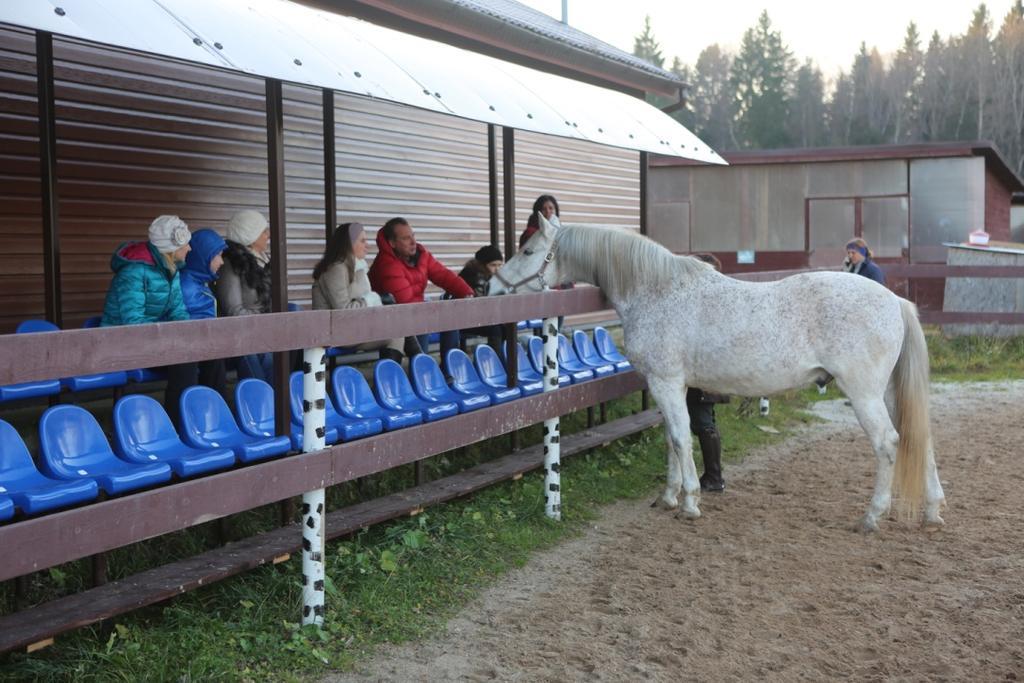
[[828, 32]]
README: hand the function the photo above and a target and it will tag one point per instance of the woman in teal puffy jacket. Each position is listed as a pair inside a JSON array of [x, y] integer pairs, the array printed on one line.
[[147, 288]]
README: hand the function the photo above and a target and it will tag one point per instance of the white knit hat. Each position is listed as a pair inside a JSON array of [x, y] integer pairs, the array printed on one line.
[[168, 234], [245, 227]]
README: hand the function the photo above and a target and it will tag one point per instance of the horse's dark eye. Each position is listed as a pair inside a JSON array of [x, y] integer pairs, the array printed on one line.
[[528, 252]]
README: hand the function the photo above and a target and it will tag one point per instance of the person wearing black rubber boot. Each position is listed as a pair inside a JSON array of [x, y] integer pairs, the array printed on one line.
[[701, 407]]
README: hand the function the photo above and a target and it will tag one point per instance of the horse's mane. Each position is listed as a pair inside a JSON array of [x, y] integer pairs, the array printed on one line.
[[621, 261]]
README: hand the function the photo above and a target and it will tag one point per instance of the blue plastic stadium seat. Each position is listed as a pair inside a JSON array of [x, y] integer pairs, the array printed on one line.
[[589, 356], [143, 433], [535, 324], [353, 398], [493, 373], [147, 375], [23, 390], [605, 346], [254, 408], [92, 321], [207, 423], [395, 392], [31, 492], [347, 428], [527, 373], [428, 380], [292, 306], [570, 363], [74, 448], [536, 345], [465, 379], [102, 380]]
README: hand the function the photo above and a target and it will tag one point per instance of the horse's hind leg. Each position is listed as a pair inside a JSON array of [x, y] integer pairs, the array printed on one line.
[[934, 496], [873, 415], [670, 395]]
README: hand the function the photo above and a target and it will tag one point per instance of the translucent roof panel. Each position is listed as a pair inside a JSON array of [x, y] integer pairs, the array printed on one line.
[[299, 44]]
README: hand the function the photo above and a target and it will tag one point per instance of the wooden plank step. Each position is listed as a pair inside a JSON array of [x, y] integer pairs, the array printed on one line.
[[35, 625]]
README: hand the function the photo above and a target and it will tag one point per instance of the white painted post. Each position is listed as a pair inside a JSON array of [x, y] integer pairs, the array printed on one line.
[[552, 449], [314, 395]]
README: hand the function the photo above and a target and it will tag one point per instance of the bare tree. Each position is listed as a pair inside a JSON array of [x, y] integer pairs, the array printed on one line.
[[714, 100], [1007, 114], [807, 109]]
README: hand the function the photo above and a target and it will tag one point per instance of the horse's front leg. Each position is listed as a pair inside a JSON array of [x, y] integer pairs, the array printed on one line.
[[670, 395]]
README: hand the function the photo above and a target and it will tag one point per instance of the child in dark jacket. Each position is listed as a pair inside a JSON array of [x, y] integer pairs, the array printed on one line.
[[477, 274], [201, 268]]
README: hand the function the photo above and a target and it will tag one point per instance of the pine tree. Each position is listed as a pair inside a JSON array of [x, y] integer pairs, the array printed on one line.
[[760, 77], [807, 109], [713, 99], [646, 47], [902, 84]]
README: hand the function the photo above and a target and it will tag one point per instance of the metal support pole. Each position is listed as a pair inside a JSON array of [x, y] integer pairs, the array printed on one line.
[[552, 449], [508, 164], [508, 161], [314, 416], [279, 262], [278, 241], [330, 170], [645, 397], [48, 177], [492, 185]]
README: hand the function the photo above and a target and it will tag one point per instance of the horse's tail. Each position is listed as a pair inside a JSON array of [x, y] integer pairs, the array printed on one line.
[[910, 380]]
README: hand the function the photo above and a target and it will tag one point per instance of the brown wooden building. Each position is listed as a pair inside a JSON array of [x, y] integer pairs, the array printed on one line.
[[795, 208], [139, 135]]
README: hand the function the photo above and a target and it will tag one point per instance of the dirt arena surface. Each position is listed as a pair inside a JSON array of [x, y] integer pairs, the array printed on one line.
[[772, 583]]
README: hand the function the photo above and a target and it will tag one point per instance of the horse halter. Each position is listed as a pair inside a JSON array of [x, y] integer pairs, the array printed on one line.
[[538, 276]]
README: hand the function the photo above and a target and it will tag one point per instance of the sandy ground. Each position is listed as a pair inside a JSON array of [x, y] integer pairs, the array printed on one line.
[[772, 583]]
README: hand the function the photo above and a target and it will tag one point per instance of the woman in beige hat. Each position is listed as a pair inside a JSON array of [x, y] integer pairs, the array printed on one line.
[[244, 284]]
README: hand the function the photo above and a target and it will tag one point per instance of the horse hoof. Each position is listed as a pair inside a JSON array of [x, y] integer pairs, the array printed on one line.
[[689, 514], [933, 523], [867, 525], [660, 502]]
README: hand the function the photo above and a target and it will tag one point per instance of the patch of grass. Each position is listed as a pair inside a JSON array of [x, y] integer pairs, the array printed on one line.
[[975, 358]]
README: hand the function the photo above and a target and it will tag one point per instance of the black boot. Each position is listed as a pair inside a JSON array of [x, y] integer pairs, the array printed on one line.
[[711, 453], [412, 347], [392, 354]]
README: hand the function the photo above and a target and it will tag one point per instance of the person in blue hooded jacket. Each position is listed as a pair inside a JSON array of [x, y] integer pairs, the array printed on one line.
[[147, 289], [860, 260], [201, 269]]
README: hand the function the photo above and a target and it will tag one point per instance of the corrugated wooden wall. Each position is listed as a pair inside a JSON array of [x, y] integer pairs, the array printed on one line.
[[21, 242], [141, 136]]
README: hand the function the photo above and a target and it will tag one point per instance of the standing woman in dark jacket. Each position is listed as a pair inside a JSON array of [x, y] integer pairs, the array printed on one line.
[[700, 405], [545, 204], [201, 269], [244, 284], [147, 289], [859, 260]]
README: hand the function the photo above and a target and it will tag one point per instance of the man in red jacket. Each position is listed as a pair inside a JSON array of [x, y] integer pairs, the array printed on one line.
[[402, 269]]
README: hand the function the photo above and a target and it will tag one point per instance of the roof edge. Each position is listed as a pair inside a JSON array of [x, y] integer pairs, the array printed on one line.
[[816, 155], [488, 34]]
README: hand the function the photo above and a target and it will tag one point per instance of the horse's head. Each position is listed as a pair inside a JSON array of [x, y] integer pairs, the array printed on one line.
[[534, 267]]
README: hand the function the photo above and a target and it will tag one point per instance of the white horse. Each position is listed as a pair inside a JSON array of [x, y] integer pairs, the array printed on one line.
[[685, 324]]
